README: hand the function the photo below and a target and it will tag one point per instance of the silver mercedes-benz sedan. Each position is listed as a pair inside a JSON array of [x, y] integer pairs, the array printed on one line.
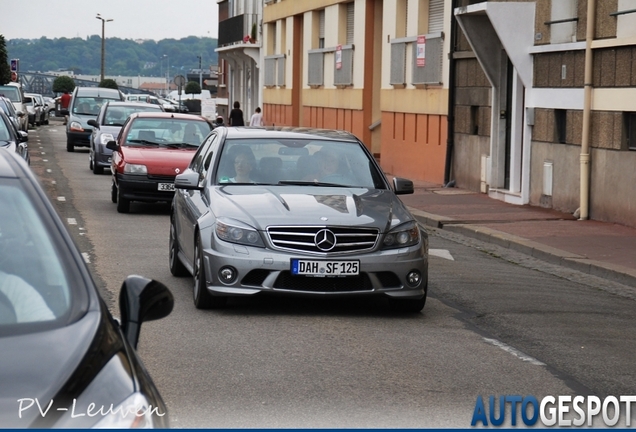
[[294, 212]]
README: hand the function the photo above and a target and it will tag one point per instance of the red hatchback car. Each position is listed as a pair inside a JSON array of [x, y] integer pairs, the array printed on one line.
[[152, 148]]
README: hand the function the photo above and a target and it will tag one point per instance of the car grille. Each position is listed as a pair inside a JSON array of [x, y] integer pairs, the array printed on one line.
[[303, 239], [255, 277], [286, 280], [163, 178]]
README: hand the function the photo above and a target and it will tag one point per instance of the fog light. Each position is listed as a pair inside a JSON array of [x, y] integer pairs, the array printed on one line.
[[227, 274], [413, 278]]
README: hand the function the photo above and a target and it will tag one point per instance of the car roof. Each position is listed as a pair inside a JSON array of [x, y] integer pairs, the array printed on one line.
[[168, 115], [117, 103], [276, 132], [96, 91]]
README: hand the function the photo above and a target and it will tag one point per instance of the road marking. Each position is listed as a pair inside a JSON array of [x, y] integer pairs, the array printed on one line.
[[87, 257], [45, 160], [71, 221], [61, 198], [53, 181], [442, 253], [42, 152], [49, 170], [515, 352]]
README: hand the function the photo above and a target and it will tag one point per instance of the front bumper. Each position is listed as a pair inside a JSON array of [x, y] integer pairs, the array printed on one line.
[[80, 139], [143, 188], [268, 271], [102, 156]]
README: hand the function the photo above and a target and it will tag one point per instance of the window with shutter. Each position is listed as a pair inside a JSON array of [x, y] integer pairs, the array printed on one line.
[[435, 16], [321, 29], [350, 15]]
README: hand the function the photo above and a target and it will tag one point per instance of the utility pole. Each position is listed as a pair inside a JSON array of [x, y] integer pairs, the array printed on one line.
[[104, 21], [200, 74]]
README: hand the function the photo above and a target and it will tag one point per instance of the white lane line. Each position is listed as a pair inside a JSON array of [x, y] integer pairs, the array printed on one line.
[[71, 221], [515, 352], [442, 253], [61, 198], [45, 160], [49, 170], [87, 257], [53, 181]]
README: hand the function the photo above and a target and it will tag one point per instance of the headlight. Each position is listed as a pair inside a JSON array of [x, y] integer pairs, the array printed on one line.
[[407, 234], [104, 138], [237, 232], [135, 169], [76, 126], [134, 412]]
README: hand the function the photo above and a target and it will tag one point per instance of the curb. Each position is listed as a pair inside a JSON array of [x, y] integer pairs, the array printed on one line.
[[613, 272]]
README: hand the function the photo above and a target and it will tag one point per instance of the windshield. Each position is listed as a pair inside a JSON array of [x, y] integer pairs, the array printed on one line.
[[5, 135], [169, 132], [13, 93], [117, 115], [34, 286], [88, 105], [297, 162]]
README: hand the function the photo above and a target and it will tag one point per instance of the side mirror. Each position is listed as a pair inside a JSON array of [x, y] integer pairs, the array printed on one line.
[[402, 186], [140, 300], [19, 113], [112, 145], [24, 137], [93, 123], [188, 180]]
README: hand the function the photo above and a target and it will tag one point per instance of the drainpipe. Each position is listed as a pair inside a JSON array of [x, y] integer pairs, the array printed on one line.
[[450, 119], [587, 113]]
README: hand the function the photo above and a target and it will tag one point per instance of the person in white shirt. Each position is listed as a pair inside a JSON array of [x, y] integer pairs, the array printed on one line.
[[257, 118], [28, 304]]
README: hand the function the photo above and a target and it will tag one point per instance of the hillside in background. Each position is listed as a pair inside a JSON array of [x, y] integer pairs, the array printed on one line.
[[124, 57]]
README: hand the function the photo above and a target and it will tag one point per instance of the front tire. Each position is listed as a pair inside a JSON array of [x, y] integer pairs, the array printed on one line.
[[113, 192], [176, 266], [69, 146], [202, 297], [123, 204]]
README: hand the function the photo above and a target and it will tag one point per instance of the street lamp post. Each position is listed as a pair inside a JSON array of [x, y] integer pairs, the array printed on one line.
[[167, 72], [200, 73], [104, 21]]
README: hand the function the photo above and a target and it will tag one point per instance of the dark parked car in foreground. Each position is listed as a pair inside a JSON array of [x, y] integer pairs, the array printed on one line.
[[65, 361], [152, 148], [294, 212], [106, 127]]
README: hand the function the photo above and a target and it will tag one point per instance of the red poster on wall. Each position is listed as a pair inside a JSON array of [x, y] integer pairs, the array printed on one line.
[[339, 57], [421, 51]]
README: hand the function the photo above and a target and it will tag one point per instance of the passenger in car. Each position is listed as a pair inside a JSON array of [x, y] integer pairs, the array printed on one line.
[[26, 303]]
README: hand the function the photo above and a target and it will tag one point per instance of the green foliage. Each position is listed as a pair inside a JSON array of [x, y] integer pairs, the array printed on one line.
[[253, 35], [63, 83], [5, 69], [193, 88], [124, 57], [108, 83]]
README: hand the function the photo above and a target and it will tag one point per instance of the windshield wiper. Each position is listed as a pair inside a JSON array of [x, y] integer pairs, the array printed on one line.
[[181, 145], [138, 141], [309, 183]]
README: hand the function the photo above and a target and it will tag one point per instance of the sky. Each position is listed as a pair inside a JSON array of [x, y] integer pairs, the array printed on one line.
[[132, 19]]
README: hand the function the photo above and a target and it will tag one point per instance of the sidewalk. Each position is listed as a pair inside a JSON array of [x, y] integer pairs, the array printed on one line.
[[602, 249]]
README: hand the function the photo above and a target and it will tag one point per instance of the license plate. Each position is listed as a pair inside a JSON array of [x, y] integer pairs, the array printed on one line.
[[303, 267], [166, 187]]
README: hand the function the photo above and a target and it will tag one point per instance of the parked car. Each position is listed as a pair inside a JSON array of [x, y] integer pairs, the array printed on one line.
[[50, 104], [151, 149], [106, 128], [42, 112], [12, 138], [33, 111], [15, 94], [85, 105], [9, 110], [178, 105], [62, 350], [294, 212]]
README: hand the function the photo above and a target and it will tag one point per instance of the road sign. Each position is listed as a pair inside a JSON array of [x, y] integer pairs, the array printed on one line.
[[14, 76], [179, 80], [15, 65]]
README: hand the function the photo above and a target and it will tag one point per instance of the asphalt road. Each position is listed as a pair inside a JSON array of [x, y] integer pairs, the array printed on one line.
[[496, 323]]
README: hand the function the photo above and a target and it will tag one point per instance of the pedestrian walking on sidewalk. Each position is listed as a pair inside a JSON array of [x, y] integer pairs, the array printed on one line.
[[65, 101], [257, 118], [236, 115]]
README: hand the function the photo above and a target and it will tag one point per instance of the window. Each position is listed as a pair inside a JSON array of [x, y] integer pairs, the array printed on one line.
[[350, 19], [474, 120], [560, 119], [563, 21], [629, 122], [321, 29], [435, 16]]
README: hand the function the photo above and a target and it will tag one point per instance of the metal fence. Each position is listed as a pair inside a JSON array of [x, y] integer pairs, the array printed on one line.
[[430, 73]]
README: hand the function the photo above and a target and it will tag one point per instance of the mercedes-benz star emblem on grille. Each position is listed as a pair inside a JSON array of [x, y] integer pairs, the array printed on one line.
[[177, 170], [325, 240]]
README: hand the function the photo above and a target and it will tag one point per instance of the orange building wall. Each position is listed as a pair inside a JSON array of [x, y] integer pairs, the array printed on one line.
[[336, 118], [278, 115], [414, 146]]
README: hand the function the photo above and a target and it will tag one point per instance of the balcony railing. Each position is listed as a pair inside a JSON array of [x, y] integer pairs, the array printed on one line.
[[428, 74], [236, 29], [274, 70], [343, 72]]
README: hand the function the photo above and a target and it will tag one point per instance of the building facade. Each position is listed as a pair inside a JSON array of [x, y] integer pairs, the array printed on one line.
[[372, 67], [544, 108]]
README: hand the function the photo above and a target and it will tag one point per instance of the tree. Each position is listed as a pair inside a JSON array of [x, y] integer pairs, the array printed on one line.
[[5, 70], [108, 83], [193, 88], [63, 83]]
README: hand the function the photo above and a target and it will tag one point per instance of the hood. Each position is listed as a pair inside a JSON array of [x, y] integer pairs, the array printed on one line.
[[263, 206], [35, 366], [160, 160]]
